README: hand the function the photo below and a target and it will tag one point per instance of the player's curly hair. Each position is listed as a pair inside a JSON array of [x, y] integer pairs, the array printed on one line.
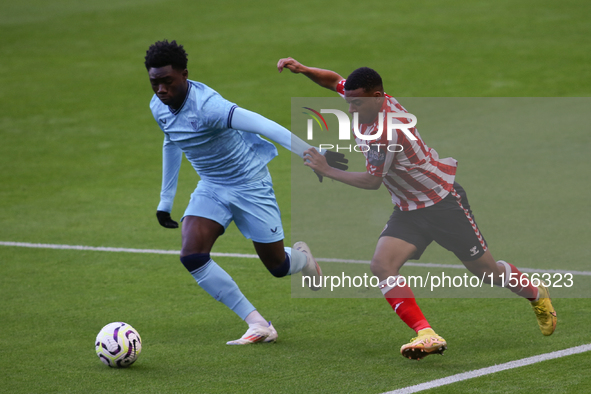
[[164, 53], [366, 78]]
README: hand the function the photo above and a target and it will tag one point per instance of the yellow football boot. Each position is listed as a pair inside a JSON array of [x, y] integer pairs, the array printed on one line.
[[544, 311], [427, 342]]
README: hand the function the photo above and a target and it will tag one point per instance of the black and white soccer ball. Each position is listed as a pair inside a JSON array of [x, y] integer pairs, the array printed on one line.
[[118, 345]]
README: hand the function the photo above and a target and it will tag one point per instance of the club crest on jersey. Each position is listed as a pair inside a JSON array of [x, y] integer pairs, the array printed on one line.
[[375, 156]]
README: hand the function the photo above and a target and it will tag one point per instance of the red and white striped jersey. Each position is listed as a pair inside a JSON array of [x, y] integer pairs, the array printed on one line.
[[415, 176]]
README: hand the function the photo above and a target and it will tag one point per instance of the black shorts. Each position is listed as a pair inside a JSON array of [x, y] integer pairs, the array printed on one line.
[[450, 223]]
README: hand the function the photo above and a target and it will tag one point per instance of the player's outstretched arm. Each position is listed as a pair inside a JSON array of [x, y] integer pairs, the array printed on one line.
[[319, 164], [252, 122], [326, 78]]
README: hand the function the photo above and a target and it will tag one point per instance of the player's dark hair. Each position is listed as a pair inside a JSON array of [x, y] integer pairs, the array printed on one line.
[[365, 78], [164, 53]]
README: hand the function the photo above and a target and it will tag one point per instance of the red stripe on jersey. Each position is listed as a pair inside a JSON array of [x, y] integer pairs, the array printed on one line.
[[409, 200], [431, 175], [415, 184], [410, 153], [447, 169], [401, 202]]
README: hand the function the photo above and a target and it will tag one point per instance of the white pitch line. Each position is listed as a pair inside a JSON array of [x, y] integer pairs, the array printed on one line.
[[254, 256], [489, 370], [109, 249]]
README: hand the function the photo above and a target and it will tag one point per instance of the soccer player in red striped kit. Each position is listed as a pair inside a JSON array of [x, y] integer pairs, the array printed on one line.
[[429, 205]]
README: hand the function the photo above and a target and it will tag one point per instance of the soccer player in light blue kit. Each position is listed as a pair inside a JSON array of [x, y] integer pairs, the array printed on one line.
[[221, 141]]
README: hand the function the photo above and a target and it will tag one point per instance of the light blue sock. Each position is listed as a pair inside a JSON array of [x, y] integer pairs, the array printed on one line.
[[218, 284], [298, 260]]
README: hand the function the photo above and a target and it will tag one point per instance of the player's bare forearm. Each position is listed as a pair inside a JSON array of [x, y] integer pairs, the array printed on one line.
[[326, 78], [362, 180]]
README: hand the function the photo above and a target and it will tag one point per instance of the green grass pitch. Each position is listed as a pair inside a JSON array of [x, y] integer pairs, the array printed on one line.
[[80, 165]]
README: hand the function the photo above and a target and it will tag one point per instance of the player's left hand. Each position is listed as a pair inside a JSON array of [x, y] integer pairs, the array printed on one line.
[[165, 220]]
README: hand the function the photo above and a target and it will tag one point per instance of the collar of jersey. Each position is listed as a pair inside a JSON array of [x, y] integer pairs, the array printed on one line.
[[176, 111]]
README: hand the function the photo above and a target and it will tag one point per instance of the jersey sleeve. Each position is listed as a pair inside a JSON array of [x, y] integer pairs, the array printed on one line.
[[171, 164], [341, 88], [252, 122], [217, 112]]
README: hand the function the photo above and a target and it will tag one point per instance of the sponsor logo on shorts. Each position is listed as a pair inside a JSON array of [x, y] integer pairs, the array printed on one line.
[[474, 251], [274, 230]]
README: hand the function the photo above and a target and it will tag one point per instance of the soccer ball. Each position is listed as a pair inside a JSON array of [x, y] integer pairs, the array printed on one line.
[[118, 345]]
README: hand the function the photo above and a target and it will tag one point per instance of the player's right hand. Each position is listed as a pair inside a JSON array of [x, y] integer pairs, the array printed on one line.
[[165, 220], [291, 64]]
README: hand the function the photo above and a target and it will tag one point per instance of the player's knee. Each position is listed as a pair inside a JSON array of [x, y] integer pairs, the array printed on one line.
[[383, 267], [195, 261], [376, 267]]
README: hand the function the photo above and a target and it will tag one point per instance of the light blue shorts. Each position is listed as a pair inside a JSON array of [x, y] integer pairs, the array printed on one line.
[[252, 206]]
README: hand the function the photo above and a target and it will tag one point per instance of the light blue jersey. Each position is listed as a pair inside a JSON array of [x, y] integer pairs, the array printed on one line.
[[201, 129]]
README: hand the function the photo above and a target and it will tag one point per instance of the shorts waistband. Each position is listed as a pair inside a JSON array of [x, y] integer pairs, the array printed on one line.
[[256, 177]]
